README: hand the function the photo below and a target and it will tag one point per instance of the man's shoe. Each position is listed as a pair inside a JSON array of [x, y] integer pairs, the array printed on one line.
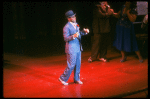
[[104, 59], [63, 82], [79, 82], [89, 60]]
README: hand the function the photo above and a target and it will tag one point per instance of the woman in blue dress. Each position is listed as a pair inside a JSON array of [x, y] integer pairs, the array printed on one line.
[[125, 39]]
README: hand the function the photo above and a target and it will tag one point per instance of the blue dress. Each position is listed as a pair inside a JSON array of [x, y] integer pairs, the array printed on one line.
[[125, 39]]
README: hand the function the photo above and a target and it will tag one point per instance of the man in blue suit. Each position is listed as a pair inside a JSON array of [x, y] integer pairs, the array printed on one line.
[[72, 37]]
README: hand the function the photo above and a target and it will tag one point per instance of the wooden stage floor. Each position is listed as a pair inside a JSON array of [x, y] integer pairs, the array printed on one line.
[[37, 77]]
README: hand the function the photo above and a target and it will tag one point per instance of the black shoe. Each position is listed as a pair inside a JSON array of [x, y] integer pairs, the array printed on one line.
[[123, 60], [141, 61]]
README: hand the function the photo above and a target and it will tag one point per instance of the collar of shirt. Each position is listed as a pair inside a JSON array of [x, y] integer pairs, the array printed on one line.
[[74, 24]]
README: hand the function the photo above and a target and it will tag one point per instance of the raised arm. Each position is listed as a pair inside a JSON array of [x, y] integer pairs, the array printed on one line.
[[84, 32], [101, 12], [117, 15], [132, 17]]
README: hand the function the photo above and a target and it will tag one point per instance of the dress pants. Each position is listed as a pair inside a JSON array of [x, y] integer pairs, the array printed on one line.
[[99, 46], [73, 63]]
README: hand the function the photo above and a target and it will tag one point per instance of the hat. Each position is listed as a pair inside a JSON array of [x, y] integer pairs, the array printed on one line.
[[69, 14]]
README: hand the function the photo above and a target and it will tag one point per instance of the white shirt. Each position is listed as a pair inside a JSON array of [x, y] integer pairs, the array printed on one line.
[[74, 24]]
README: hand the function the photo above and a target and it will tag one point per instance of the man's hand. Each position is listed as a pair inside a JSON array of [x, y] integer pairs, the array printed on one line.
[[86, 30], [128, 11], [110, 11], [76, 35]]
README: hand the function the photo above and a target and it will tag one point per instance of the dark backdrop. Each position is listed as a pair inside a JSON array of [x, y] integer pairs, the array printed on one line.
[[36, 28]]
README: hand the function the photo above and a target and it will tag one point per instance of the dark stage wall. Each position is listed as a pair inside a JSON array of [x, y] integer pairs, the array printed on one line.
[[37, 27], [35, 24]]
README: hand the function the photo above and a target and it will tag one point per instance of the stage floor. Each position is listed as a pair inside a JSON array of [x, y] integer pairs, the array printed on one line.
[[37, 77]]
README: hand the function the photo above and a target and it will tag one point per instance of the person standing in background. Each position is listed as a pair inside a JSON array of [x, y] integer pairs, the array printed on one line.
[[101, 29], [125, 39]]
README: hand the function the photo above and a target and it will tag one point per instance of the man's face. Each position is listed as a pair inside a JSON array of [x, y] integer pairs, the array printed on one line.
[[73, 19], [127, 4], [104, 3]]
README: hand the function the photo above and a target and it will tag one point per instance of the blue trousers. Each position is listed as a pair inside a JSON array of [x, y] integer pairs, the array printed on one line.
[[73, 63]]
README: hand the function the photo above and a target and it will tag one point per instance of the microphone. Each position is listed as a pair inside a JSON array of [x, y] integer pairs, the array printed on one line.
[[108, 6]]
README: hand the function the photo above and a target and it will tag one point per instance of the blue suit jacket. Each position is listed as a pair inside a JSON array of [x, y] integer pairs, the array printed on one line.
[[72, 45]]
